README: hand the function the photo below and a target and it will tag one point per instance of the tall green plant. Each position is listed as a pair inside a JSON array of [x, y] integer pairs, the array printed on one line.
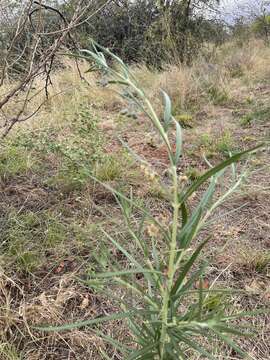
[[169, 317]]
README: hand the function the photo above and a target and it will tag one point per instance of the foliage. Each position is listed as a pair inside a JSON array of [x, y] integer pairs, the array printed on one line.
[[155, 34], [167, 306], [137, 31], [261, 26]]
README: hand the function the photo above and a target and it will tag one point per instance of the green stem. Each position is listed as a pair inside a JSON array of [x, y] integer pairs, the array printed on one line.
[[171, 267], [154, 118]]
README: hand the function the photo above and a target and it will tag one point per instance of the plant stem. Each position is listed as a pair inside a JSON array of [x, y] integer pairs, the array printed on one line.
[[171, 267]]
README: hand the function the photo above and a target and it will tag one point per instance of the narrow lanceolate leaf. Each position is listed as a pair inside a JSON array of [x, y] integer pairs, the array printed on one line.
[[144, 211], [186, 268], [179, 141], [119, 82], [228, 330], [247, 313], [191, 227], [123, 251], [187, 233], [147, 352], [202, 179], [167, 110], [138, 290], [98, 59], [124, 273], [188, 285], [177, 346], [105, 356], [116, 344], [119, 60], [196, 346], [84, 323], [184, 213], [148, 275], [232, 344]]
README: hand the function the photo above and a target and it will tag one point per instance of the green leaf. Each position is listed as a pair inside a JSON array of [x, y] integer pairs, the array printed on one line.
[[190, 228], [176, 345], [139, 290], [191, 281], [231, 343], [184, 212], [84, 323], [178, 151], [116, 344], [167, 110], [119, 82], [142, 209], [187, 267], [123, 250], [247, 313], [202, 179], [105, 356], [228, 330], [100, 60], [119, 60], [124, 272], [147, 351], [193, 345]]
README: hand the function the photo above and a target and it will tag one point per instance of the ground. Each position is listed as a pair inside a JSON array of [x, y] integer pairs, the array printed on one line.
[[52, 211]]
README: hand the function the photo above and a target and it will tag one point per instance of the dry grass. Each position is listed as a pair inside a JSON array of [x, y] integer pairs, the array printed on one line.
[[51, 210]]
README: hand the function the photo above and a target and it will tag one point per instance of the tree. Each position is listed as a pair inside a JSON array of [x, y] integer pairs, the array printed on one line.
[[151, 31]]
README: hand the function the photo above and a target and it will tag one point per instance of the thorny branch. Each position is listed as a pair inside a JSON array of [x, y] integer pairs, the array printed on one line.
[[37, 49]]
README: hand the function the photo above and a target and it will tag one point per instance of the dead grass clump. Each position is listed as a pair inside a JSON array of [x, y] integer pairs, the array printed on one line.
[[19, 314], [254, 261]]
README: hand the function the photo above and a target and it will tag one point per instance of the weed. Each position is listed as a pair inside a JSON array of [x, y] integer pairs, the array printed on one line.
[[262, 114], [246, 120], [169, 317], [27, 236], [108, 169], [185, 120], [69, 178], [8, 352], [155, 190], [225, 142], [193, 173], [258, 261], [236, 71], [257, 115], [214, 301], [15, 161], [218, 96], [212, 144]]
